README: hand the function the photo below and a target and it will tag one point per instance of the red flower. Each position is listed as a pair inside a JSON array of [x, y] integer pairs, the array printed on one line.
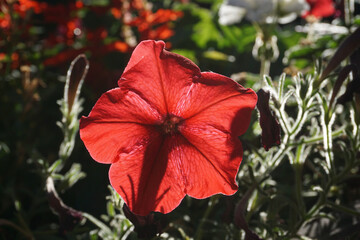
[[169, 130], [97, 51], [62, 57], [155, 25], [27, 5], [320, 8], [5, 21]]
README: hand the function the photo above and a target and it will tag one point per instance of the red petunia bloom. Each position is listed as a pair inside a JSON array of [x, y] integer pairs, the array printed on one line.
[[320, 8], [169, 130]]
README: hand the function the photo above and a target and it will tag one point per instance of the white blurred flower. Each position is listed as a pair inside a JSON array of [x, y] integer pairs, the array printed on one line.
[[321, 29], [230, 14], [261, 11]]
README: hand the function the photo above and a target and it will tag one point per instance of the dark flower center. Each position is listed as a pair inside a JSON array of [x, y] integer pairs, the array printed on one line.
[[171, 123]]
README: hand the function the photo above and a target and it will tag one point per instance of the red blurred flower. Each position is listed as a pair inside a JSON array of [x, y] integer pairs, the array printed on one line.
[[169, 130], [97, 51], [26, 5], [97, 35], [63, 57], [320, 8], [101, 78], [137, 4], [13, 60], [116, 12], [5, 21], [155, 25], [61, 13], [2, 56]]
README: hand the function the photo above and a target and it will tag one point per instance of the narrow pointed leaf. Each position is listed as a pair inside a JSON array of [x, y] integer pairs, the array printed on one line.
[[348, 46], [340, 80]]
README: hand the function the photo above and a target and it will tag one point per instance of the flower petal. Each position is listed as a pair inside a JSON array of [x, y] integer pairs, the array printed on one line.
[[117, 124], [320, 8], [270, 126], [217, 111], [216, 100], [149, 179], [210, 161], [158, 76], [230, 14]]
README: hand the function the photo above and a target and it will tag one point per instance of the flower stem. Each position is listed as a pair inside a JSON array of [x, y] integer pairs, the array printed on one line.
[[212, 202], [317, 139], [349, 7], [24, 231], [264, 67], [98, 223], [343, 209], [298, 189]]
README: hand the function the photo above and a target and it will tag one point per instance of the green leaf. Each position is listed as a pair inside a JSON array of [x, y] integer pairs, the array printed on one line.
[[357, 20], [344, 73], [54, 166], [289, 38], [205, 30], [348, 46], [186, 53], [216, 55], [299, 52], [110, 209], [240, 37], [98, 223]]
